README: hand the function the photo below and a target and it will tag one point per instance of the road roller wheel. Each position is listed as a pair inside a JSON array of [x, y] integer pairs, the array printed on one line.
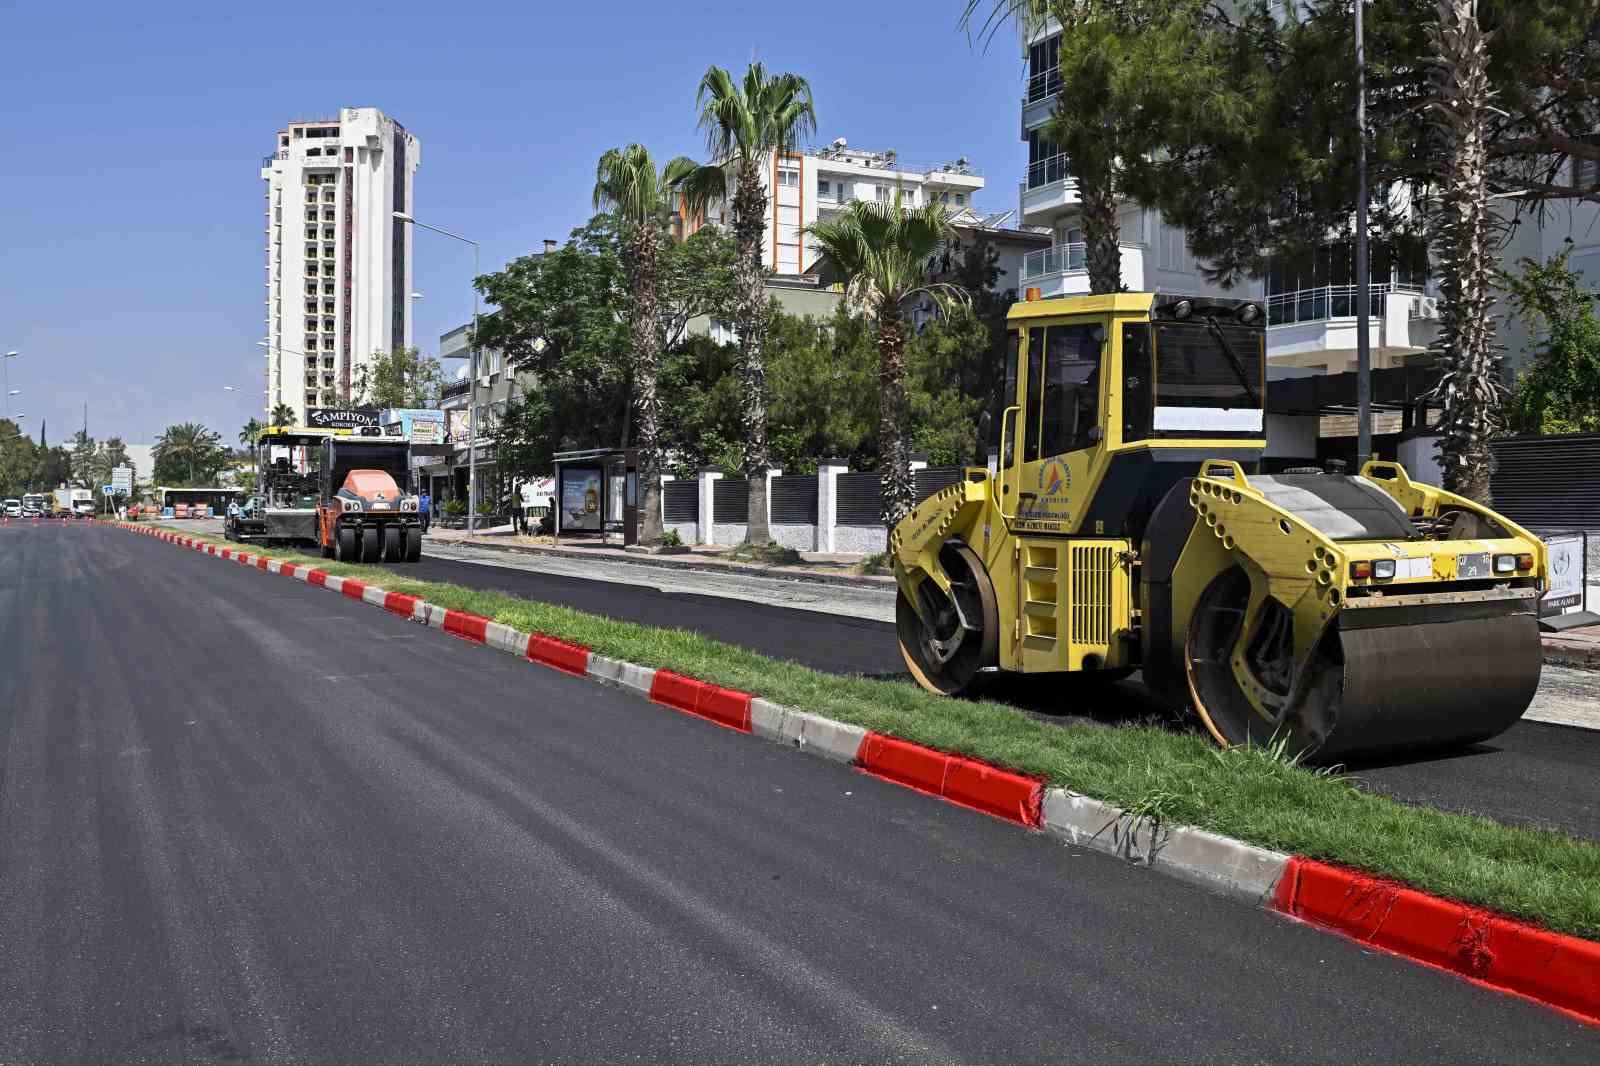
[[346, 539], [1242, 684], [393, 544], [413, 544], [371, 545], [947, 656]]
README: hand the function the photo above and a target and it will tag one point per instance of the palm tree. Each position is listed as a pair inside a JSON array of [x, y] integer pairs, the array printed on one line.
[[1471, 386], [744, 125], [627, 184], [883, 252], [283, 415], [252, 429], [188, 447]]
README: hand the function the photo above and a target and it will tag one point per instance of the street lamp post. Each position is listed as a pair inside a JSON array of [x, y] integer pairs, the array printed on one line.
[[5, 370], [472, 371], [1363, 282]]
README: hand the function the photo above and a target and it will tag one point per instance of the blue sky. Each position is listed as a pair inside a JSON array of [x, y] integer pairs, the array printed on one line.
[[132, 273]]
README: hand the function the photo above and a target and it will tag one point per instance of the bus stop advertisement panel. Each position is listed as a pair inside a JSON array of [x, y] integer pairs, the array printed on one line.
[[597, 493]]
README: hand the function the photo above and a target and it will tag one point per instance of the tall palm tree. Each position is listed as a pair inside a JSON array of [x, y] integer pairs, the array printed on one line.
[[1471, 386], [252, 429], [883, 251], [627, 184], [744, 125], [283, 415], [189, 447]]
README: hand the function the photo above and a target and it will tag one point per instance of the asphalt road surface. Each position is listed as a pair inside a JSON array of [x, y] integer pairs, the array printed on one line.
[[1534, 774], [246, 821]]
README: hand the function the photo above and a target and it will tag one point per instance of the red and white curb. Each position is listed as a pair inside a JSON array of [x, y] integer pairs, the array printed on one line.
[[1555, 969]]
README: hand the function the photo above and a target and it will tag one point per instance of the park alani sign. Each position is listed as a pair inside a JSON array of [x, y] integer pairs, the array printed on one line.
[[341, 417]]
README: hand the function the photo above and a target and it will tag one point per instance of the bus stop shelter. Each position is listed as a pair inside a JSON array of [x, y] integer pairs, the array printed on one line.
[[597, 494]]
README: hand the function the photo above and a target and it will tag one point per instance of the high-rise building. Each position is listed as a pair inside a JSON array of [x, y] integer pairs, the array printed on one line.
[[338, 262]]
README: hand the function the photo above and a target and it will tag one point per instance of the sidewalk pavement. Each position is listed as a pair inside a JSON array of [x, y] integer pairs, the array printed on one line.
[[837, 568], [1575, 647]]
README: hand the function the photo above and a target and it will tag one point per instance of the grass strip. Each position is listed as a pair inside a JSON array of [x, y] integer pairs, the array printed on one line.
[[1543, 876]]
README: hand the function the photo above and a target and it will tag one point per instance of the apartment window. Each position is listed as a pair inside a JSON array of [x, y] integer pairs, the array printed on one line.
[[327, 343], [327, 307], [311, 269], [327, 251], [313, 151], [311, 233], [961, 199], [327, 233], [327, 287], [311, 399], [311, 289], [311, 342], [327, 363], [311, 214], [789, 179], [882, 192], [327, 214], [824, 190], [311, 307], [1044, 69], [283, 142], [311, 325]]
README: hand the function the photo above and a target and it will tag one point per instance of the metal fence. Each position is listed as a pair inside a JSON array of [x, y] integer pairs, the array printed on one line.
[[730, 500], [680, 501], [794, 500], [931, 480], [860, 499], [1549, 482]]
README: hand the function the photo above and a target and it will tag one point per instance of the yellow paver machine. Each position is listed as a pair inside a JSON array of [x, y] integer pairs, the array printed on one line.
[[1124, 530]]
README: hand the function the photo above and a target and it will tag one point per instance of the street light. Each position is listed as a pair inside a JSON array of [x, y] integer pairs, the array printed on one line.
[[5, 376], [472, 370]]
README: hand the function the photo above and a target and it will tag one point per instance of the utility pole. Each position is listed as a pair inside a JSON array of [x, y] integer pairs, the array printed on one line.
[[1363, 268]]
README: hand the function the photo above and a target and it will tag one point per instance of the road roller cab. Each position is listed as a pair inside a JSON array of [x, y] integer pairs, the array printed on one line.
[[1125, 529]]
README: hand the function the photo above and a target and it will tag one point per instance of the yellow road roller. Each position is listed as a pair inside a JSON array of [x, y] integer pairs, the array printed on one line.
[[1125, 529]]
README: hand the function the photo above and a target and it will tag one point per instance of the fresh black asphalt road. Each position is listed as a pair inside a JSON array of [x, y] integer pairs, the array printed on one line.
[[1534, 774], [244, 820]]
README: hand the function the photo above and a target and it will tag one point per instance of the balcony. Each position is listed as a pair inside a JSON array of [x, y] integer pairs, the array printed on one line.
[[1314, 321], [1059, 259], [1039, 103], [1049, 190]]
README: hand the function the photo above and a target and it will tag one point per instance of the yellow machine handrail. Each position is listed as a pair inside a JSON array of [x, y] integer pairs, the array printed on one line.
[[1007, 467]]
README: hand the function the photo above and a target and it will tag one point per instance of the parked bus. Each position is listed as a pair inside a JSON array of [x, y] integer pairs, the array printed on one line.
[[194, 503]]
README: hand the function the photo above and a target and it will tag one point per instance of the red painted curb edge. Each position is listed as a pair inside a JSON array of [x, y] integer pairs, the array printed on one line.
[[1552, 968], [724, 706], [968, 782]]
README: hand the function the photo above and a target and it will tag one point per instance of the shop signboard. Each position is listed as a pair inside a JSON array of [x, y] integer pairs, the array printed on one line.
[[417, 424], [343, 417]]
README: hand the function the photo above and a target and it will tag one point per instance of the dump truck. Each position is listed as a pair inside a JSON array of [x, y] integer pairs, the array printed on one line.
[[363, 514], [1127, 527]]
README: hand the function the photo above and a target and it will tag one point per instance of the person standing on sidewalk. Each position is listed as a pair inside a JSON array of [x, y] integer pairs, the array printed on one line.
[[425, 508]]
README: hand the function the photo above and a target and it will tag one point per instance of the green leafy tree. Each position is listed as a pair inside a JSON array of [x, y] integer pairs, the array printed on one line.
[[1559, 392], [283, 415], [111, 454], [248, 434], [637, 195], [189, 454], [882, 250], [19, 459], [83, 460], [744, 124], [823, 376], [55, 468], [402, 377]]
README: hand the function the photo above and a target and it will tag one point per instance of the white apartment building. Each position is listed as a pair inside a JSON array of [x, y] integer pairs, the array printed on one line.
[[809, 184], [338, 262], [1310, 306]]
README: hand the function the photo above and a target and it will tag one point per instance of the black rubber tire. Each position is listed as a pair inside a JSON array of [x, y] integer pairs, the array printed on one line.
[[371, 545], [393, 544], [347, 542], [413, 544], [959, 675]]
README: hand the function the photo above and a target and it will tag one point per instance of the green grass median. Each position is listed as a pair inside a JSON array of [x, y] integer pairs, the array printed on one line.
[[1542, 875]]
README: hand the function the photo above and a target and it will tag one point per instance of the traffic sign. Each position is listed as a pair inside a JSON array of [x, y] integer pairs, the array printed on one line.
[[122, 478], [108, 490]]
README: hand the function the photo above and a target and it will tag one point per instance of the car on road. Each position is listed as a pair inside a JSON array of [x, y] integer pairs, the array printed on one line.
[[13, 508]]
